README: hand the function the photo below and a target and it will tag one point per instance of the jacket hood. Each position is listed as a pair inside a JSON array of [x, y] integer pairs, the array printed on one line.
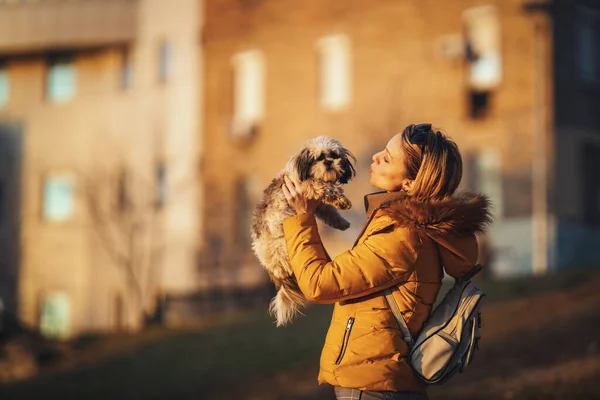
[[450, 222], [460, 215]]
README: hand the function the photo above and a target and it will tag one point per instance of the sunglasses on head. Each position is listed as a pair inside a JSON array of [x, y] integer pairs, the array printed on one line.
[[419, 134]]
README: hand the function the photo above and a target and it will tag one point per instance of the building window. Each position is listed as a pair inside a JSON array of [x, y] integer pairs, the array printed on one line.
[[335, 76], [123, 195], [482, 31], [483, 173], [247, 195], [126, 70], [165, 61], [2, 201], [161, 185], [248, 92], [119, 313], [479, 104], [61, 80], [591, 183], [55, 315], [588, 44], [482, 34], [4, 85], [59, 198], [489, 178]]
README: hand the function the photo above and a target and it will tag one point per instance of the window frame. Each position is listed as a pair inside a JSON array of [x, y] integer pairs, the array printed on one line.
[[335, 88], [587, 18], [590, 158], [4, 77], [249, 72], [51, 65], [57, 175], [165, 61]]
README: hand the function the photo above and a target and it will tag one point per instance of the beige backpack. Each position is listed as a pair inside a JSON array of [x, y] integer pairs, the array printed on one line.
[[450, 335]]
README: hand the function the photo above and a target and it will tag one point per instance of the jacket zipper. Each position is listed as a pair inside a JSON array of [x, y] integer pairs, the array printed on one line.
[[364, 229], [345, 340]]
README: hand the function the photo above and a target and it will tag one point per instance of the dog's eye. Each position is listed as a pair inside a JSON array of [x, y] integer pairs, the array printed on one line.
[[335, 155], [321, 157]]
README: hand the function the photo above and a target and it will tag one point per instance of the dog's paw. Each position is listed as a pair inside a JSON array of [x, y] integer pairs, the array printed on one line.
[[330, 195], [341, 224], [342, 203]]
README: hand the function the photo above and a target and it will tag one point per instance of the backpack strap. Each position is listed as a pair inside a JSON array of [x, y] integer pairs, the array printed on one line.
[[471, 273], [399, 318]]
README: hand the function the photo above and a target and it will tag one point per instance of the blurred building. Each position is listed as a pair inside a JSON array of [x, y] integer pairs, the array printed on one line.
[[514, 84], [99, 121]]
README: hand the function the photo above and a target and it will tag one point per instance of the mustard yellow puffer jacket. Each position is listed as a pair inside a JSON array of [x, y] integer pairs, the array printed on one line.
[[404, 244]]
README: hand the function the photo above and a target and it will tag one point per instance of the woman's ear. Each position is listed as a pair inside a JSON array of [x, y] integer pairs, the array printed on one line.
[[407, 185]]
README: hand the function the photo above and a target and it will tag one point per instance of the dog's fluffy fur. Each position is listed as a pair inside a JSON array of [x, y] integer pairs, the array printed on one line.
[[322, 166]]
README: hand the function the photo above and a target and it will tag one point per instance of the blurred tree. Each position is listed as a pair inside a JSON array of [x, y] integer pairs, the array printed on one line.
[[126, 204]]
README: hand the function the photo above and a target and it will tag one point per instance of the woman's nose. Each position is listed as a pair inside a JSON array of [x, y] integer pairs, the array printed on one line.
[[375, 158]]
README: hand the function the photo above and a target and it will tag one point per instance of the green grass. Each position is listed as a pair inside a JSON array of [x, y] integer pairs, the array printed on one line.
[[500, 290], [507, 289], [188, 364], [180, 364]]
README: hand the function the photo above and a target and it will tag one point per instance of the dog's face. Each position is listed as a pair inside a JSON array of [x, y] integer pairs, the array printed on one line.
[[325, 159]]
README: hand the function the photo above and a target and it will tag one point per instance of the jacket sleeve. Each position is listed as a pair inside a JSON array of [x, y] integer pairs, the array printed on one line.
[[383, 260]]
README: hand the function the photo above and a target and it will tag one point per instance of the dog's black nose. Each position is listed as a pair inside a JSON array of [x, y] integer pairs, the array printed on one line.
[[328, 163]]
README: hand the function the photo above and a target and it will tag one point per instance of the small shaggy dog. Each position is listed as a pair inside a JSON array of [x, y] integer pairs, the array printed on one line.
[[322, 166]]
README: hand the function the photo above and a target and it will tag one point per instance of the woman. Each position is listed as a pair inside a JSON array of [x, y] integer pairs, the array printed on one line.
[[414, 227]]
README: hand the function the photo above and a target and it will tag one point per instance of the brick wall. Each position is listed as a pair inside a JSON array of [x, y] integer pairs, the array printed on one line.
[[398, 78]]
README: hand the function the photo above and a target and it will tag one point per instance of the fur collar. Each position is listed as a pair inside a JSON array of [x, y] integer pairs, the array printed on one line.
[[460, 215]]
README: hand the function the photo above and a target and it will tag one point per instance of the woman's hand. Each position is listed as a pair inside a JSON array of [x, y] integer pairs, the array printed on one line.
[[296, 198]]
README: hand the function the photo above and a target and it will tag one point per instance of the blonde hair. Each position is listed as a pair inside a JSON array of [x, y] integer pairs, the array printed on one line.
[[432, 160]]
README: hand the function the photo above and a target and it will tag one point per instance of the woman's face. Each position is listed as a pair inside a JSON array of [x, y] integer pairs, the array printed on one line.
[[387, 170]]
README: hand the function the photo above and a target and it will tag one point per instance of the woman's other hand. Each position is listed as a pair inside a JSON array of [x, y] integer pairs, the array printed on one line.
[[296, 198]]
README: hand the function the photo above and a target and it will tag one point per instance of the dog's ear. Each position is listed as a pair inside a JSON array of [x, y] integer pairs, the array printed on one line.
[[347, 162], [303, 163]]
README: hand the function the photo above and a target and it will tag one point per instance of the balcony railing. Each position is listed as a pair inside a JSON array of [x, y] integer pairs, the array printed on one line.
[[51, 25]]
